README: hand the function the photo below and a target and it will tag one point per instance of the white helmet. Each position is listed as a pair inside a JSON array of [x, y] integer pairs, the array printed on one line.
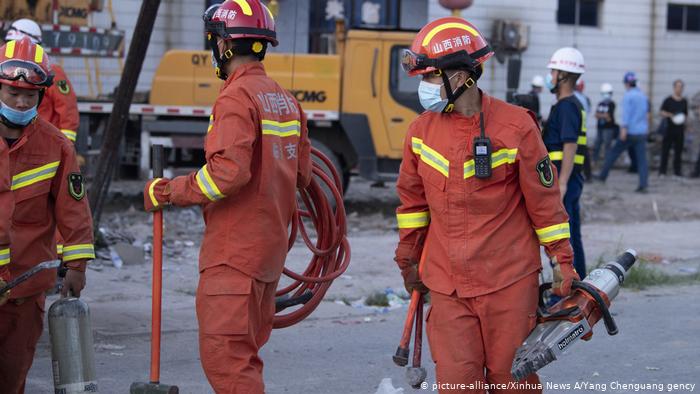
[[24, 28], [606, 88], [538, 81], [567, 59]]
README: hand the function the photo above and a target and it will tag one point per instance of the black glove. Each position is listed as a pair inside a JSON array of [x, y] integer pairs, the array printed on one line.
[[412, 281]]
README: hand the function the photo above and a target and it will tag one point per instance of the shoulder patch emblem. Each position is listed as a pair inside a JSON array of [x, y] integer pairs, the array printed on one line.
[[63, 86], [76, 188], [544, 171]]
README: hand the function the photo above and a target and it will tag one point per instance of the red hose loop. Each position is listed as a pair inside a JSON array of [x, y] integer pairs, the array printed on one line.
[[331, 249]]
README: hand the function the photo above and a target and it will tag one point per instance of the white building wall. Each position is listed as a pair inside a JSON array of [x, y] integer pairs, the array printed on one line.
[[621, 42], [677, 55], [178, 25]]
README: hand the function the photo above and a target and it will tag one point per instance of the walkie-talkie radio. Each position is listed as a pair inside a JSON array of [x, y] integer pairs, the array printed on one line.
[[482, 153]]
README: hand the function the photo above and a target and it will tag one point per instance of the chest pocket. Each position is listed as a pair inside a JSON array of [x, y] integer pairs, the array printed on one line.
[[434, 185], [31, 190], [487, 196]]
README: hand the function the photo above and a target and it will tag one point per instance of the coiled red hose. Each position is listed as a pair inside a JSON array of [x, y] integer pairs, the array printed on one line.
[[331, 250]]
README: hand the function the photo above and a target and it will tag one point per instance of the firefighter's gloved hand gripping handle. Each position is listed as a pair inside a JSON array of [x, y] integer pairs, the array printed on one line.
[[622, 264]]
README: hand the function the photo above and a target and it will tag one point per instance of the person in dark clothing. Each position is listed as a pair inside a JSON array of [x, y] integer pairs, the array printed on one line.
[[605, 116], [675, 111], [565, 140]]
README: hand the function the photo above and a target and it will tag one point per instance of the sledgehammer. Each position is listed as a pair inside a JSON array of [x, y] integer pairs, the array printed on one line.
[[416, 374], [414, 314], [154, 386]]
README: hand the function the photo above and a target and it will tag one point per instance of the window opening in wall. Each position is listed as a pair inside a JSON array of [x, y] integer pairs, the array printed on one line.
[[683, 17], [578, 12]]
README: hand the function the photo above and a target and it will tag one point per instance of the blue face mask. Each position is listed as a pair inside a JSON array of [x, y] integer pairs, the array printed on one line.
[[20, 118], [429, 96], [549, 83]]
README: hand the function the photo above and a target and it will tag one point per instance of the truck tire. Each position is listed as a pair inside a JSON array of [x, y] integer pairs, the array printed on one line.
[[344, 178]]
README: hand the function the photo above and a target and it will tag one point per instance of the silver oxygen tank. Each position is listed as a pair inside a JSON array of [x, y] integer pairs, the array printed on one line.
[[72, 353]]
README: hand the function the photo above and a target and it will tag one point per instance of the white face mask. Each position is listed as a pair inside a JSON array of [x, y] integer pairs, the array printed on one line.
[[429, 96]]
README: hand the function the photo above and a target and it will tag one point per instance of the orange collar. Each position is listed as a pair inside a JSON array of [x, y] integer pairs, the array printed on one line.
[[253, 68]]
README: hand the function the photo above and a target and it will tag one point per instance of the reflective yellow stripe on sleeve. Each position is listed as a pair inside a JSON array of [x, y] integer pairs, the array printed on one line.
[[553, 233], [582, 140], [207, 185], [34, 175], [413, 220], [78, 252], [59, 249], [70, 134], [211, 123], [559, 155], [4, 256]]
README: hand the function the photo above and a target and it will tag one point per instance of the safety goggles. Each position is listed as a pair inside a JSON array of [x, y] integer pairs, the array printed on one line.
[[31, 73], [411, 61]]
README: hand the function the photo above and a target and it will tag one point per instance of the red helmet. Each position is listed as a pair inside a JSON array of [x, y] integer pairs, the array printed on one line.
[[25, 65], [444, 43], [241, 19]]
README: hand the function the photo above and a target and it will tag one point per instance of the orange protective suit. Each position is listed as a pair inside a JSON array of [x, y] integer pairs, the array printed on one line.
[[484, 234], [257, 153], [49, 195], [7, 204], [60, 105]]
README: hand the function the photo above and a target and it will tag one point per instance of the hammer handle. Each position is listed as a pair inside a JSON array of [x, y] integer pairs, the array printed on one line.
[[157, 292], [158, 162], [418, 334]]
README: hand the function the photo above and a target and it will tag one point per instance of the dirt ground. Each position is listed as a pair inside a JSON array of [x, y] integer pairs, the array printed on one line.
[[347, 349]]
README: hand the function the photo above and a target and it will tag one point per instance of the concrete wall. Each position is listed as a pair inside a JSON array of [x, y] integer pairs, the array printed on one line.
[[621, 42]]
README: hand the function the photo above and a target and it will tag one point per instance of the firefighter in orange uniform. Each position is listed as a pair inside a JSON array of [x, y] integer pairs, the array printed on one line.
[[60, 104], [49, 195], [257, 154], [477, 185], [7, 204]]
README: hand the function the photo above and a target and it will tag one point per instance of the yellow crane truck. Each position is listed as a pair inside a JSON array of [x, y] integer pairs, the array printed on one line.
[[359, 102]]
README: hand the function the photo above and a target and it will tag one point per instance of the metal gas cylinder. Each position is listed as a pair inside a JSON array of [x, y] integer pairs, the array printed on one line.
[[72, 353]]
